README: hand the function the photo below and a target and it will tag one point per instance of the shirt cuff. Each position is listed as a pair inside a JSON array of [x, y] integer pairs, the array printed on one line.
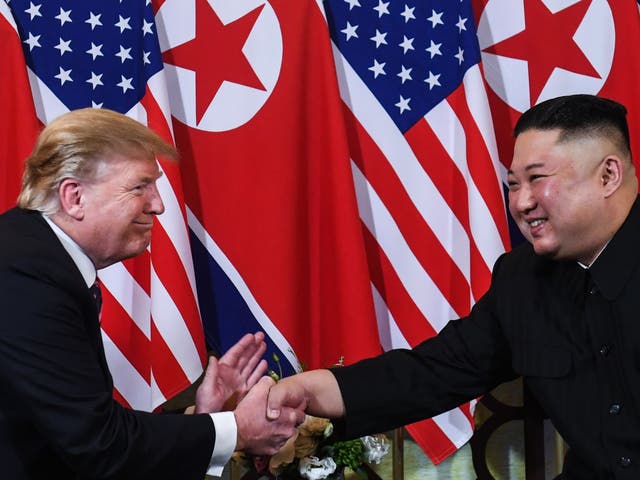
[[225, 444]]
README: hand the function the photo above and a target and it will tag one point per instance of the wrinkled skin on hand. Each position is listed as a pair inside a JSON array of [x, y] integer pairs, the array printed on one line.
[[257, 434], [228, 379], [286, 393]]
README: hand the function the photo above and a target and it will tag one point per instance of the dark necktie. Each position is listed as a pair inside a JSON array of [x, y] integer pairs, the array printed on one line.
[[96, 293]]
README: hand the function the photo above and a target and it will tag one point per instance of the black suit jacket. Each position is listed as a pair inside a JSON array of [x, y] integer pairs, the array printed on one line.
[[57, 415], [574, 338]]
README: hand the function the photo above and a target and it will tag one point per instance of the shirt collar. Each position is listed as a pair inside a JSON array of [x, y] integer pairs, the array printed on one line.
[[617, 261], [82, 261], [586, 267]]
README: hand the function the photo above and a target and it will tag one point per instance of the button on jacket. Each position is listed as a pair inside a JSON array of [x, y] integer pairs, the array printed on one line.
[[572, 334]]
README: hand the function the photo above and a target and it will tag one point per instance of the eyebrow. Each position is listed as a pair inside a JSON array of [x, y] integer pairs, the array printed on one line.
[[527, 168], [151, 179]]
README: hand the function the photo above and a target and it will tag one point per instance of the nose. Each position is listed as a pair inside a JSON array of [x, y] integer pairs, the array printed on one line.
[[155, 205], [522, 200]]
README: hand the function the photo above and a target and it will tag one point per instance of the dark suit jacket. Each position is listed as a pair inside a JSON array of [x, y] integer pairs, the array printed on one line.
[[573, 337], [57, 415]]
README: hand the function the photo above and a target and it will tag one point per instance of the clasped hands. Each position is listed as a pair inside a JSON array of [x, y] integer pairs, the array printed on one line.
[[237, 382]]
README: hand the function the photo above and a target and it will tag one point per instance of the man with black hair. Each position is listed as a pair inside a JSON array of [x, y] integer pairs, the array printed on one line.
[[562, 311]]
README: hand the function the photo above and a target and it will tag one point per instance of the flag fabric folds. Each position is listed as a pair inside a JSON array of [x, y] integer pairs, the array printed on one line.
[[310, 203], [533, 51], [272, 210], [342, 162], [18, 123], [106, 55], [425, 169]]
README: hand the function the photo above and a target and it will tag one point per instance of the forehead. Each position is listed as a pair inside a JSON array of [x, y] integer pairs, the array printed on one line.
[[536, 148], [129, 166]]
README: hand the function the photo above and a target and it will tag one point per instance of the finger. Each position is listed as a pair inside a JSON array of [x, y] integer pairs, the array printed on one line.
[[211, 372], [296, 417], [289, 420], [275, 402], [255, 359], [252, 350], [261, 389], [237, 351], [257, 373], [301, 416], [207, 388], [280, 441], [249, 358]]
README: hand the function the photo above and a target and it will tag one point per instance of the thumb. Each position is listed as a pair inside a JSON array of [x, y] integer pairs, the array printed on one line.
[[262, 391], [211, 373], [205, 391], [275, 401]]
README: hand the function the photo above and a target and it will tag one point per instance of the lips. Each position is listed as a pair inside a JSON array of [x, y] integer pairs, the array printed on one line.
[[536, 225], [145, 225]]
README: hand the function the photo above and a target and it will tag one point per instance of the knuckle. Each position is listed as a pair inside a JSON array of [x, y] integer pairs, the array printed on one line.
[[271, 450]]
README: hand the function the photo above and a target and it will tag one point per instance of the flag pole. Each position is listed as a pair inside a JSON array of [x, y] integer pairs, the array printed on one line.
[[398, 454]]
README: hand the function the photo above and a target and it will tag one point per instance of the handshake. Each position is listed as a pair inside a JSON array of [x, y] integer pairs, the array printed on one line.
[[266, 414]]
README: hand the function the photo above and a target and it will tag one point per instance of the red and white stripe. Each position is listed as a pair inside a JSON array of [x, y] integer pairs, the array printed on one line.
[[18, 123], [164, 319], [151, 324]]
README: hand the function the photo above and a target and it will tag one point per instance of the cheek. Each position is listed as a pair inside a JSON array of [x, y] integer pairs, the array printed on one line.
[[548, 191]]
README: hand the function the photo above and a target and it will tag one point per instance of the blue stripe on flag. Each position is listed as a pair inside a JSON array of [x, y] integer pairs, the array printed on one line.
[[226, 316]]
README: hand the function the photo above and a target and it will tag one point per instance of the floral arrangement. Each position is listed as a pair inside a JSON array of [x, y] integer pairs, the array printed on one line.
[[313, 453]]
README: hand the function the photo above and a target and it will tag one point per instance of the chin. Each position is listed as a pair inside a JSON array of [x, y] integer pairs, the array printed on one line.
[[134, 252], [141, 249], [546, 251]]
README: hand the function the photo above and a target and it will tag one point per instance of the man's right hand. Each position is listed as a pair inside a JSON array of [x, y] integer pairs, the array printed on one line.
[[257, 434], [315, 391]]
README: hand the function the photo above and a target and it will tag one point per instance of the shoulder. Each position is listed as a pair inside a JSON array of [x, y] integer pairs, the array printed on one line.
[[521, 260], [23, 229], [30, 249], [521, 272], [25, 235]]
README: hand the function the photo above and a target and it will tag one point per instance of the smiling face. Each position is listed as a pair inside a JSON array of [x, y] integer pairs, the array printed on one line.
[[116, 209], [556, 194]]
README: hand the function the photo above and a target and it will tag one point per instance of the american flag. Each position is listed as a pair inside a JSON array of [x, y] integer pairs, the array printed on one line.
[[106, 55], [426, 171], [271, 200], [19, 124]]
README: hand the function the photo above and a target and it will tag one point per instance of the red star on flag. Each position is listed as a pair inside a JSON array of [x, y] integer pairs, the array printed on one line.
[[547, 43], [215, 54]]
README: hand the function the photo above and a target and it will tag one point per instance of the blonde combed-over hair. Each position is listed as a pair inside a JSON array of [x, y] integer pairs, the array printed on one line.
[[73, 145]]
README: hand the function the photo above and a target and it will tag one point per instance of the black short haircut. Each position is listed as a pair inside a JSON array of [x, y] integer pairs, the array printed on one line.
[[579, 116]]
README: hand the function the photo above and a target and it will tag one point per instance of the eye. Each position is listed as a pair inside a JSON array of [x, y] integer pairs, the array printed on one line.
[[138, 189], [513, 185]]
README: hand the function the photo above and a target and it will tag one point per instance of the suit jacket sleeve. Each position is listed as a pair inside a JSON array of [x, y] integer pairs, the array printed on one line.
[[53, 371], [468, 358]]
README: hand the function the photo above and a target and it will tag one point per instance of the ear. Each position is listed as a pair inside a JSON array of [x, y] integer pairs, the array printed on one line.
[[70, 194], [611, 173]]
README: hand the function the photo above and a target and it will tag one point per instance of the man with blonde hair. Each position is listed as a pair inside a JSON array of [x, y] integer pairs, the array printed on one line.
[[88, 200]]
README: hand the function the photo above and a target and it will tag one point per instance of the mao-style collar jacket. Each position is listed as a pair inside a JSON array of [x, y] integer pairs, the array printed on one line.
[[572, 334]]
